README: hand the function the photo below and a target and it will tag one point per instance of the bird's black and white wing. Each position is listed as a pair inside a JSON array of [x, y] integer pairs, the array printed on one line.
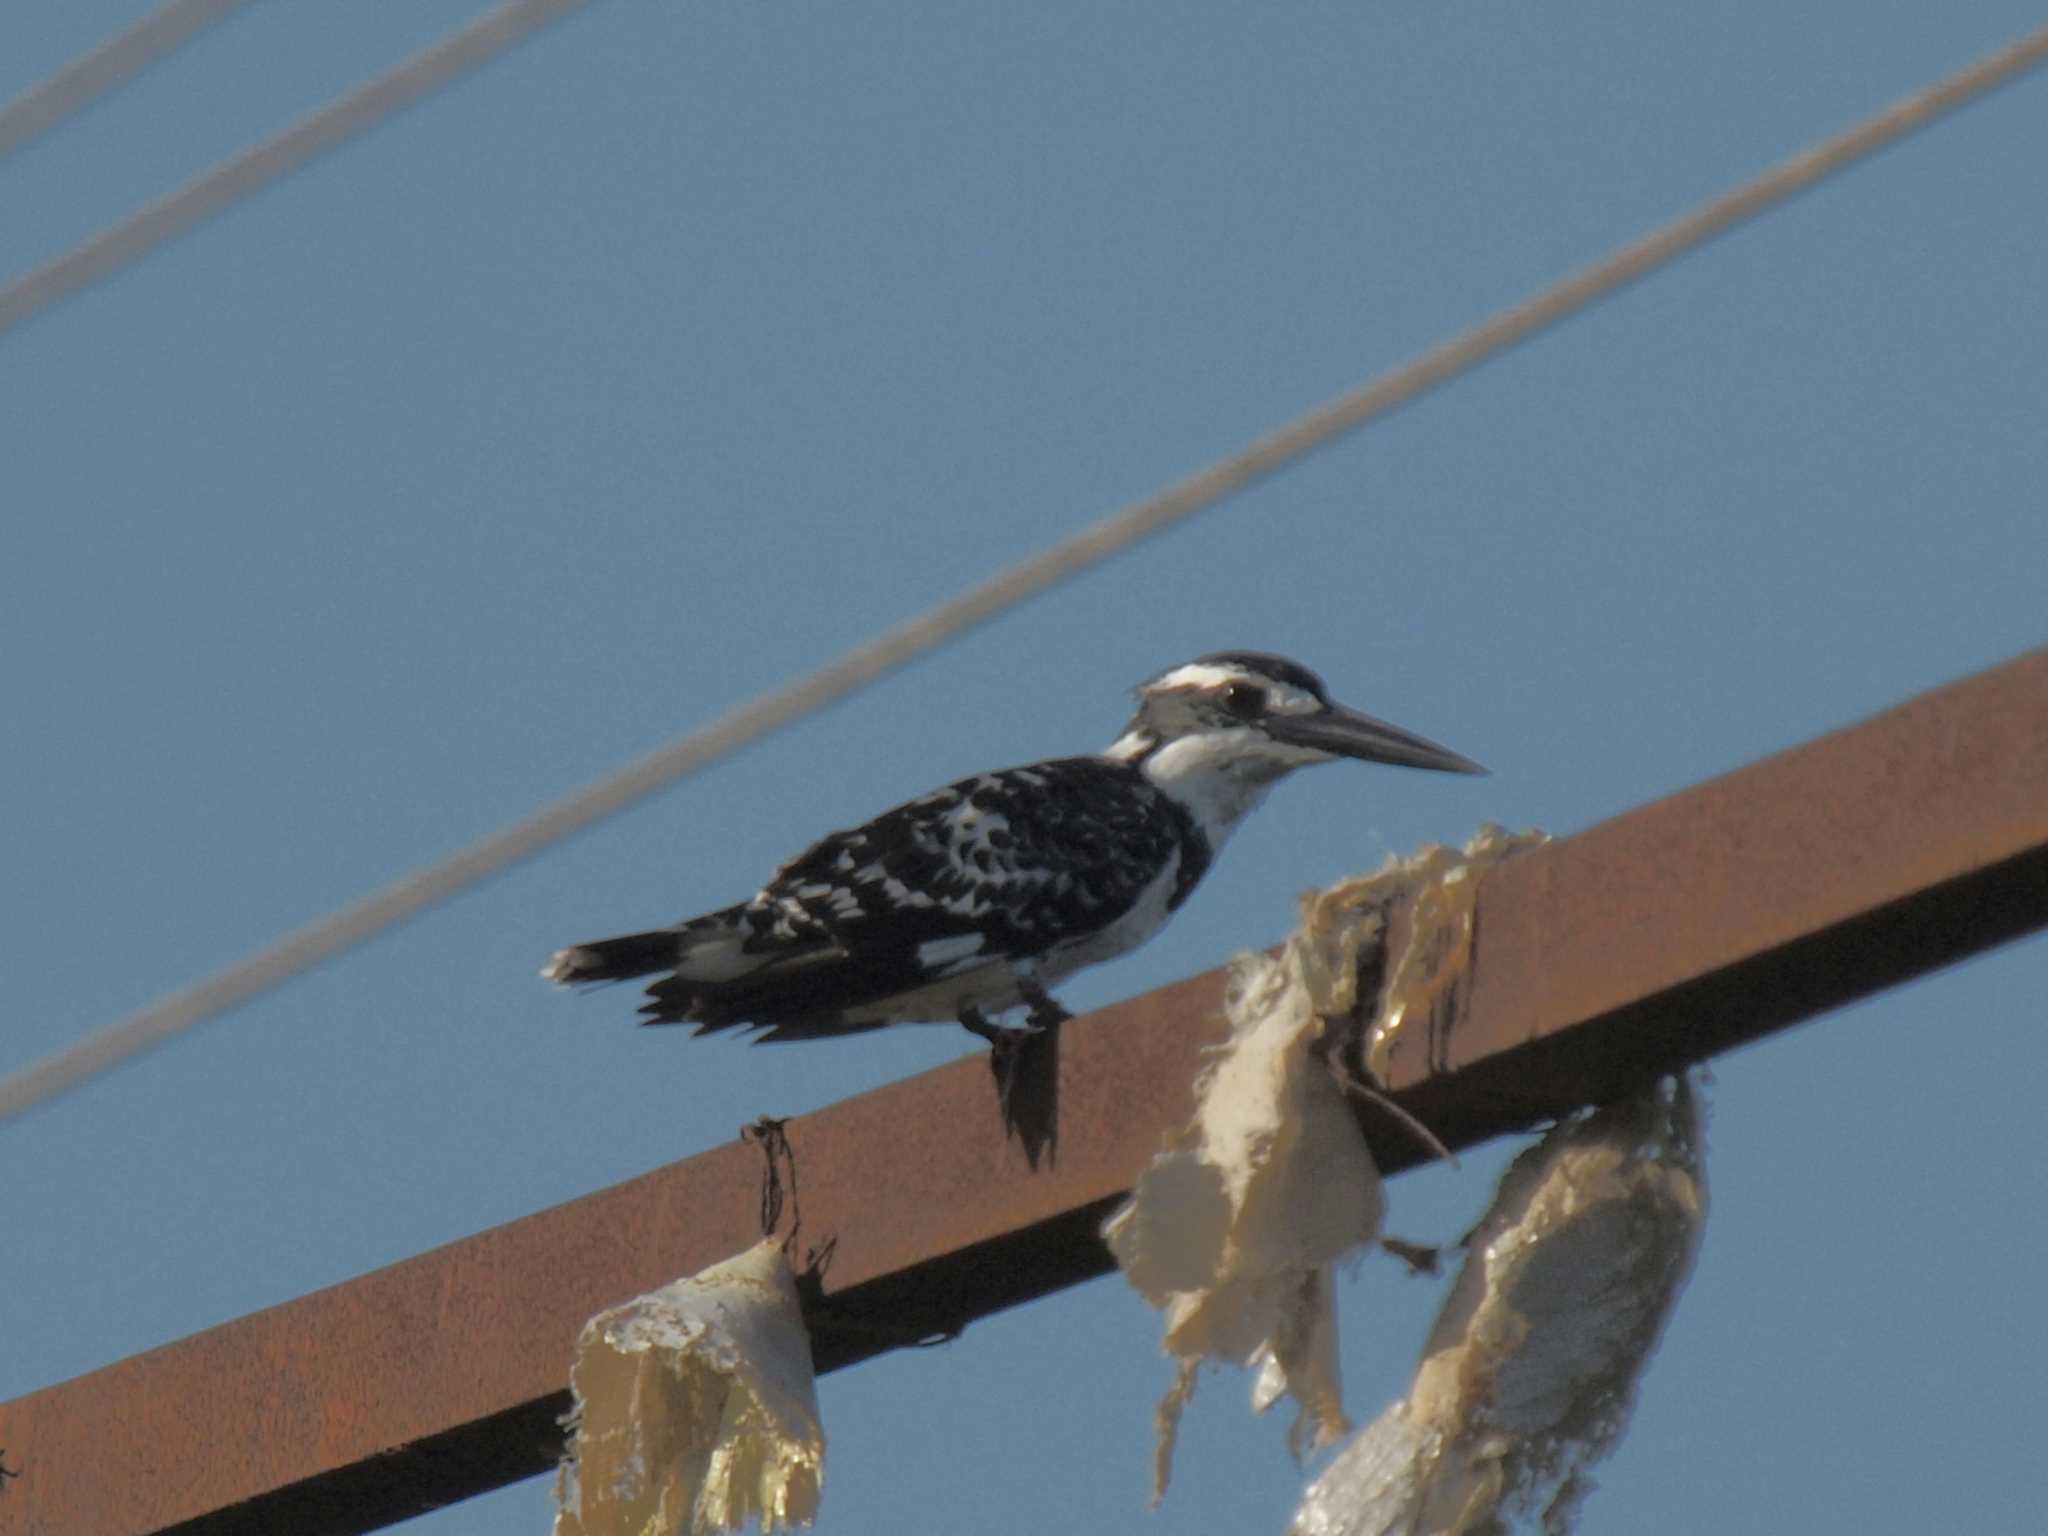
[[933, 906]]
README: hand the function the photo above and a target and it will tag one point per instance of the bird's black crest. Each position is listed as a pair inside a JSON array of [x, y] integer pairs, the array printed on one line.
[[1278, 668]]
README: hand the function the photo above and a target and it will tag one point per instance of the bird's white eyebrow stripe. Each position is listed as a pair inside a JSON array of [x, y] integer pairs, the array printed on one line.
[[1197, 674]]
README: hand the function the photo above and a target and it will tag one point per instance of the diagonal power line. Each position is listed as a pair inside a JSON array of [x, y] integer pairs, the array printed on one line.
[[232, 180], [119, 59], [396, 903]]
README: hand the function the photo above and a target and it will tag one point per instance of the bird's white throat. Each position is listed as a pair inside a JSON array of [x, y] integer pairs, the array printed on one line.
[[1218, 777]]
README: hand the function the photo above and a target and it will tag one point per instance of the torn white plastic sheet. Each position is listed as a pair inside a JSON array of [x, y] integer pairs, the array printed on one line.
[[1530, 1371], [1234, 1227], [1416, 916], [695, 1409]]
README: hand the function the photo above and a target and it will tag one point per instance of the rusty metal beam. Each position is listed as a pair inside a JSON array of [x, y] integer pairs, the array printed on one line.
[[1675, 931]]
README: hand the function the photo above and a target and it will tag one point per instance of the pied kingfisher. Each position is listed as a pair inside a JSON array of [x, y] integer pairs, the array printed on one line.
[[983, 895]]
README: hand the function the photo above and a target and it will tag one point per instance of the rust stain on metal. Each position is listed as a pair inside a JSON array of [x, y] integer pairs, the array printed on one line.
[[1676, 930]]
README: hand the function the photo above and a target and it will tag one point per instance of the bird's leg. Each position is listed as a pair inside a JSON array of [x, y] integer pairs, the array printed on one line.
[[975, 1022], [1046, 1012]]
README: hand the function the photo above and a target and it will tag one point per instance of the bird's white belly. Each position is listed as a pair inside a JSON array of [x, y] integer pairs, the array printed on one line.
[[995, 987], [988, 988], [1147, 915]]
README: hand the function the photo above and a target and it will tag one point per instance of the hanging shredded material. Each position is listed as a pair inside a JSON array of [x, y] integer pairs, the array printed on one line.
[[1235, 1225], [1530, 1371], [695, 1409]]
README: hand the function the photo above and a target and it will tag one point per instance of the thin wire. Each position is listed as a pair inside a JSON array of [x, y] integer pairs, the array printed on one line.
[[322, 940], [74, 87], [232, 180]]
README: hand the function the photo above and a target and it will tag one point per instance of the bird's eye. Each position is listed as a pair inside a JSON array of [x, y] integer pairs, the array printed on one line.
[[1244, 701]]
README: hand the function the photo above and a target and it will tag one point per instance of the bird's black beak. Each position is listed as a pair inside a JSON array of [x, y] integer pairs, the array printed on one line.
[[1347, 733]]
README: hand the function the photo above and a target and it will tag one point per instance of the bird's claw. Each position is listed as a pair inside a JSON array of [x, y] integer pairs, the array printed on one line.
[[1046, 1013], [976, 1023]]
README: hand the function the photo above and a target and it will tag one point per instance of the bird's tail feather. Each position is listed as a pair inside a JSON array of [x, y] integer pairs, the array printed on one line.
[[628, 955]]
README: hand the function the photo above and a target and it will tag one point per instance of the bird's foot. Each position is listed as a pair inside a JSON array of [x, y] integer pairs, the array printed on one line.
[[1046, 1012], [975, 1022]]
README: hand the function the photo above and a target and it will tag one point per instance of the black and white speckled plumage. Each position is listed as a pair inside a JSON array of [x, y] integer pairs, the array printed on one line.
[[971, 899], [1010, 866]]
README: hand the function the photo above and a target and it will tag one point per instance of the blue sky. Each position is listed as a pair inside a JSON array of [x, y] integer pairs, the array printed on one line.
[[690, 345]]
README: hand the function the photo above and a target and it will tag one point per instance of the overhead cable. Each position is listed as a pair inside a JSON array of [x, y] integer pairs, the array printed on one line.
[[120, 58], [229, 182]]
